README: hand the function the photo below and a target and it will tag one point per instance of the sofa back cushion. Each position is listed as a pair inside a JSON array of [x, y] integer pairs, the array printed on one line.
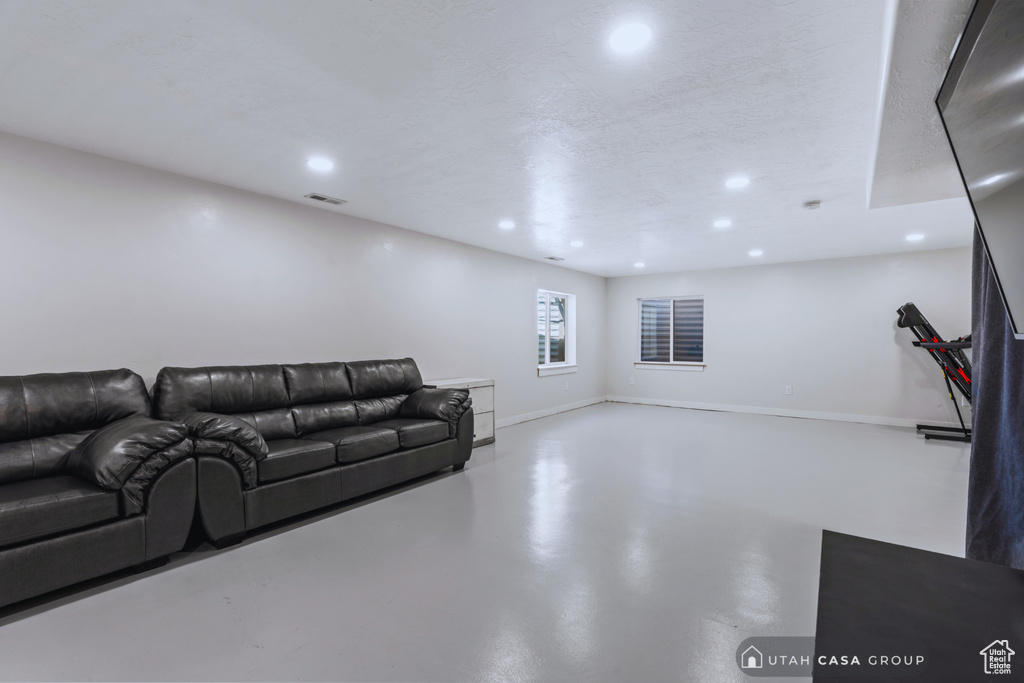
[[271, 424], [317, 417], [317, 383], [376, 378], [39, 457], [43, 417], [372, 410], [227, 390], [320, 395]]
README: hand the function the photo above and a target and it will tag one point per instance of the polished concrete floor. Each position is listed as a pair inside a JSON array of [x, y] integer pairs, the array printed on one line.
[[612, 543]]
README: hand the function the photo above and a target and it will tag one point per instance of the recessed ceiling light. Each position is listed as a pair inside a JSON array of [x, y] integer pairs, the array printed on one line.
[[756, 252], [506, 224], [736, 182], [639, 264], [576, 243], [723, 223], [916, 237], [630, 37], [320, 164]]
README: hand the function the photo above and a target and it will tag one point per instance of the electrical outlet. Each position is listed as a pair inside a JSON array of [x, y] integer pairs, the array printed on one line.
[[631, 381], [789, 390], [567, 386]]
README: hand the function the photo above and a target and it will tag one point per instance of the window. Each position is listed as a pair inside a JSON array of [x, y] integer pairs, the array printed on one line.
[[672, 330], [556, 333]]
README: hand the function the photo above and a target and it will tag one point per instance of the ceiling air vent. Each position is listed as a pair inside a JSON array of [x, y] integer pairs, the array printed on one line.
[[813, 204], [327, 200], [554, 258]]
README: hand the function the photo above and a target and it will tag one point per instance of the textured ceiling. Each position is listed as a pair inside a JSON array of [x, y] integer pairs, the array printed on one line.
[[446, 117], [914, 162]]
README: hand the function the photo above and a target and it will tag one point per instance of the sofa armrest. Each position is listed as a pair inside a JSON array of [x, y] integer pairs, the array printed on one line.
[[464, 439], [437, 404], [217, 427], [135, 491], [228, 437], [112, 454]]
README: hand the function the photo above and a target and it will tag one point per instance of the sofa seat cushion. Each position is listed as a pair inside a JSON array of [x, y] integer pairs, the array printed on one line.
[[414, 432], [291, 457], [51, 505], [359, 443]]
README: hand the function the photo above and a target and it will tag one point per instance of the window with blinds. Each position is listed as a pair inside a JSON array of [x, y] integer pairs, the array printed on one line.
[[672, 330]]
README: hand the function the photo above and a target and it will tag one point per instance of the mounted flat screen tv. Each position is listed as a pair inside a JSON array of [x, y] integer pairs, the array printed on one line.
[[981, 103]]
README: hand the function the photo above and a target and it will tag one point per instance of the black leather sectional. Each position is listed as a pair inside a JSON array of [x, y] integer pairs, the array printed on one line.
[[274, 441], [91, 483]]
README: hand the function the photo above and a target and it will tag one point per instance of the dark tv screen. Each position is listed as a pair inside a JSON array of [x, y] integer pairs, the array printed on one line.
[[981, 103]]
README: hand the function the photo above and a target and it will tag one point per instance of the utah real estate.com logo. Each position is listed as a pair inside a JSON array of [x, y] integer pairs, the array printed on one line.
[[997, 657]]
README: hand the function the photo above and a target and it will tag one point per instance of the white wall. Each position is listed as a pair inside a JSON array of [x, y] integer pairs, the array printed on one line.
[[827, 328], [106, 264]]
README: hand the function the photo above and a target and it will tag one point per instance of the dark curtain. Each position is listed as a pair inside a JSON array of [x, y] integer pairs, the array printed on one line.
[[995, 497]]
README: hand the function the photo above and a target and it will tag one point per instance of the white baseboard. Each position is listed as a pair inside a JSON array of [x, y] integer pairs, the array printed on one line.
[[722, 407], [781, 412], [565, 407]]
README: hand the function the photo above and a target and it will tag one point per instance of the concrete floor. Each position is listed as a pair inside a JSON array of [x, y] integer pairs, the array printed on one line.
[[611, 543]]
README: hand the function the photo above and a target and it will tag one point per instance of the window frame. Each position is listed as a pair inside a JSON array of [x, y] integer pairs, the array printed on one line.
[[569, 366], [693, 366]]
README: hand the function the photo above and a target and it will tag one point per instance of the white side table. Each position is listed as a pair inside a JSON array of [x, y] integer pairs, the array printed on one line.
[[482, 393]]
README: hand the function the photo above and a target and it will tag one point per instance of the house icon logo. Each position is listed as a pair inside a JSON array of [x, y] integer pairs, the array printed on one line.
[[997, 656], [752, 658]]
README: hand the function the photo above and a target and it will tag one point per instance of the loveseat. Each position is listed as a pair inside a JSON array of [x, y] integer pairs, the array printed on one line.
[[90, 483], [275, 441]]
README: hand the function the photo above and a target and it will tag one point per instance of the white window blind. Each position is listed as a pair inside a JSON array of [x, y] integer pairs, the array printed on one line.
[[672, 330]]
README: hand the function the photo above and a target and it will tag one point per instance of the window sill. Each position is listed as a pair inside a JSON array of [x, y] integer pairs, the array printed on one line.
[[678, 367], [563, 369]]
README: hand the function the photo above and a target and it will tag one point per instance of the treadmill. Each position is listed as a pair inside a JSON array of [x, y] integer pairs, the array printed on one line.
[[950, 356]]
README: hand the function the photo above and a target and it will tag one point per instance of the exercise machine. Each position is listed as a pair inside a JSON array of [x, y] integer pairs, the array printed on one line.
[[956, 368]]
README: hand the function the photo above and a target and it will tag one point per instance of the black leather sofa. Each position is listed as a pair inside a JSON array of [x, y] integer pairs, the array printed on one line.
[[275, 441], [90, 483]]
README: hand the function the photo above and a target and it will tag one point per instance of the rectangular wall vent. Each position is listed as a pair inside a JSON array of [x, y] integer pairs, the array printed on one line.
[[324, 198]]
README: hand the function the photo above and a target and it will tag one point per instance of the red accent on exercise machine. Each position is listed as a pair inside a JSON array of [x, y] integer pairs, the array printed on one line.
[[956, 367]]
